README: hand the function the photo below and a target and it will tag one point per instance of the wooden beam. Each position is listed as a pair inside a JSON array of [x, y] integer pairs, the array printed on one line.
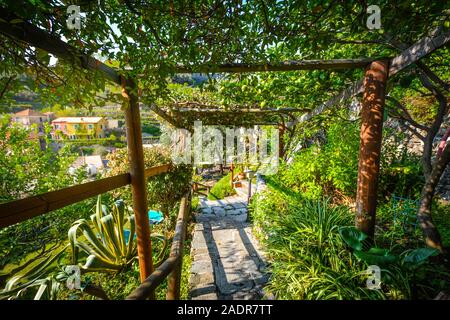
[[408, 57], [281, 146], [243, 110], [20, 210], [160, 112], [41, 39], [171, 264], [333, 64], [417, 51], [147, 287], [138, 184], [372, 112], [173, 282]]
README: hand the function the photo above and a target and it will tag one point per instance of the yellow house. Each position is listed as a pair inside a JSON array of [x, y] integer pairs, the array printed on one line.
[[79, 128]]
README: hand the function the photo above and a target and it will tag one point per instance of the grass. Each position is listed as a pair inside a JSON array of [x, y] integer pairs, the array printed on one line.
[[221, 189]]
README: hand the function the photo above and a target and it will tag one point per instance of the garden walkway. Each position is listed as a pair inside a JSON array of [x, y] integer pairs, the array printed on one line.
[[227, 262]]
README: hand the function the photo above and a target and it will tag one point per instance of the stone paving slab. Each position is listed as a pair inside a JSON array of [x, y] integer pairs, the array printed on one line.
[[227, 261]]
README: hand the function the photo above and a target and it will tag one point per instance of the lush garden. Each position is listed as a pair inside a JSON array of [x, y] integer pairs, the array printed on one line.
[[269, 64], [305, 221], [35, 253]]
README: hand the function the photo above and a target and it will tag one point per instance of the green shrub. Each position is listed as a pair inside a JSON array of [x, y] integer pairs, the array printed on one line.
[[221, 189], [163, 191], [195, 203], [309, 260], [326, 170]]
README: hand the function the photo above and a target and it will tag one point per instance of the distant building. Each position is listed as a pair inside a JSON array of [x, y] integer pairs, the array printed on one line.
[[79, 128], [113, 124], [50, 116], [28, 117], [92, 164]]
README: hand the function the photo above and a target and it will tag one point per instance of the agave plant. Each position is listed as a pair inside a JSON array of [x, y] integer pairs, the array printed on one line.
[[105, 241], [41, 277]]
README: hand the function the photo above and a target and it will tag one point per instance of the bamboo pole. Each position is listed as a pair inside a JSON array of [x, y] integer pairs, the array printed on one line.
[[137, 173], [176, 251], [370, 145]]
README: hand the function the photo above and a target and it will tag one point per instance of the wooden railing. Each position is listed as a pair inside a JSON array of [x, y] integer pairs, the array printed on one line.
[[19, 210], [197, 188], [172, 266]]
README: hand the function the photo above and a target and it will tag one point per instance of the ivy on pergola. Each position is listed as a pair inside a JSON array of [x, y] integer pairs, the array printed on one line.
[[17, 28]]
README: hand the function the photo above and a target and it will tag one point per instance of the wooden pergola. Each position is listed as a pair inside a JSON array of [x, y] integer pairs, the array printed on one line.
[[373, 87]]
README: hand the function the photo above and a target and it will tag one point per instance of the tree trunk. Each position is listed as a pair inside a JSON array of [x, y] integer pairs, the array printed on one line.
[[431, 234], [434, 129], [370, 146]]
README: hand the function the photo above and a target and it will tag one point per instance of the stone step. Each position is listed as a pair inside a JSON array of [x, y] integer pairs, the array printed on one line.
[[227, 262]]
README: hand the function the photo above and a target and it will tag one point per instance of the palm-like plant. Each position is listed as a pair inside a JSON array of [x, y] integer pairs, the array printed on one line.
[[104, 239], [42, 278]]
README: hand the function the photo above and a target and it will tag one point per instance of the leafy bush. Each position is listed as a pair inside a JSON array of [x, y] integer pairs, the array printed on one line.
[[310, 260], [25, 168], [163, 191], [441, 216], [221, 189], [326, 170], [331, 169]]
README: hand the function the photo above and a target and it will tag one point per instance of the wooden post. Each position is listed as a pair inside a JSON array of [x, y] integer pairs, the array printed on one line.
[[137, 173], [174, 279], [370, 145], [281, 130], [232, 175]]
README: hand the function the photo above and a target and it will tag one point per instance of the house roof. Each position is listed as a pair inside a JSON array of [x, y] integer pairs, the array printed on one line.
[[87, 160], [27, 113], [78, 119]]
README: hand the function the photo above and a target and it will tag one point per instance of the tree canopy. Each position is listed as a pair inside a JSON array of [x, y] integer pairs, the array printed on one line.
[[149, 39]]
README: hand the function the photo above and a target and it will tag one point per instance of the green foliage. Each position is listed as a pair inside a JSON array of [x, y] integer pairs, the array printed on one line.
[[441, 217], [36, 282], [163, 191], [401, 171], [25, 169], [327, 169], [330, 168], [221, 189], [412, 266], [309, 258], [354, 238], [151, 128], [40, 235]]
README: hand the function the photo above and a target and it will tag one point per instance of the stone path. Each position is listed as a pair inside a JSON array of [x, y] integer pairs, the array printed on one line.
[[227, 262]]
